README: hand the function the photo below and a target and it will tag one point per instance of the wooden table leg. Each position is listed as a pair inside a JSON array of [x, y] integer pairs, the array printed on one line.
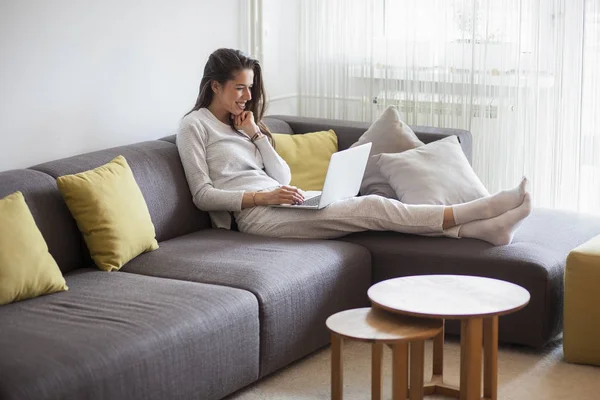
[[438, 354], [417, 359], [376, 375], [337, 376], [400, 371], [437, 384], [463, 356], [471, 356], [490, 358]]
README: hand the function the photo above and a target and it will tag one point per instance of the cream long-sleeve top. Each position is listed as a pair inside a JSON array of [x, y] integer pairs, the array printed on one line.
[[221, 164]]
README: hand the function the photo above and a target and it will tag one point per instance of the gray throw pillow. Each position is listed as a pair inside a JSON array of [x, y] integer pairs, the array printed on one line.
[[388, 134], [435, 173]]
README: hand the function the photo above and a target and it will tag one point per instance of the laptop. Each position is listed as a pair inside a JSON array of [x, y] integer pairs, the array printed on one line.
[[343, 179]]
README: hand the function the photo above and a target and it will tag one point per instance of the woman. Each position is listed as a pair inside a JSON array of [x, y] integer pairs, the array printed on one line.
[[231, 166]]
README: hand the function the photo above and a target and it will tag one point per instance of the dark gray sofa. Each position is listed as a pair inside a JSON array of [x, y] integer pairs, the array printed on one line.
[[535, 259], [211, 310]]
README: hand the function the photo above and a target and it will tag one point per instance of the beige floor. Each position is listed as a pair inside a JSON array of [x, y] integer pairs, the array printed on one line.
[[523, 374]]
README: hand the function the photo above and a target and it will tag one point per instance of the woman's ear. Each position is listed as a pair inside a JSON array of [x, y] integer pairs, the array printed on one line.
[[215, 86]]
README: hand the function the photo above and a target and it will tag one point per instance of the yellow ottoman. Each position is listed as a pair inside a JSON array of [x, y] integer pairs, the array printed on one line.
[[581, 331]]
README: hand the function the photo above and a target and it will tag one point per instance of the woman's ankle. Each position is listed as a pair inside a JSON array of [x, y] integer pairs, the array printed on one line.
[[449, 220]]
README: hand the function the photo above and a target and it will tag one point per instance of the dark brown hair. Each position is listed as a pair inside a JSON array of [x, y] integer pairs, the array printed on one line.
[[222, 65]]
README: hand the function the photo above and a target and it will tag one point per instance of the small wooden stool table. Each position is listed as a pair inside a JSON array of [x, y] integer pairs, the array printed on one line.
[[381, 327], [476, 302]]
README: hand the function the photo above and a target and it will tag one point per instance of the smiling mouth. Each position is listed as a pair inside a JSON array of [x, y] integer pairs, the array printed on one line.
[[241, 106]]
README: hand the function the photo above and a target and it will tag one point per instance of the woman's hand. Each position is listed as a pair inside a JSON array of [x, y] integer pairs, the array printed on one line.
[[245, 123], [281, 195]]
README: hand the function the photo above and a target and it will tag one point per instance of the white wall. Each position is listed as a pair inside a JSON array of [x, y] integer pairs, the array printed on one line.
[[77, 75], [280, 55]]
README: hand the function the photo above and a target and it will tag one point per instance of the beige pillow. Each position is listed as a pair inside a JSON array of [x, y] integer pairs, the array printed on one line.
[[388, 135], [435, 173]]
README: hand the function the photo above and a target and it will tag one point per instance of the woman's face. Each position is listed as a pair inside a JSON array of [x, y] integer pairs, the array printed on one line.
[[235, 93]]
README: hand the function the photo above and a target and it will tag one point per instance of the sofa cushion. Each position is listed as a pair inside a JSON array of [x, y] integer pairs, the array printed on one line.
[[298, 283], [125, 336], [158, 172], [50, 213], [388, 134], [436, 173], [111, 212], [27, 269], [308, 156], [535, 260]]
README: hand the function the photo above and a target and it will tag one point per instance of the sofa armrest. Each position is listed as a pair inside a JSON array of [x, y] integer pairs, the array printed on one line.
[[582, 304], [348, 132]]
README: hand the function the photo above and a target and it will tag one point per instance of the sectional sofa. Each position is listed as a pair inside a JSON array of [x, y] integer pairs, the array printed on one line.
[[213, 310]]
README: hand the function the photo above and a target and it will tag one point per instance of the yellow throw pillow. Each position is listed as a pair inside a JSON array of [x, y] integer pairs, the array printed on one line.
[[308, 156], [27, 269], [111, 212]]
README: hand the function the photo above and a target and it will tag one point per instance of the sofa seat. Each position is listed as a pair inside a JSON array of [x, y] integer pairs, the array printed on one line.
[[535, 260], [298, 283], [124, 336]]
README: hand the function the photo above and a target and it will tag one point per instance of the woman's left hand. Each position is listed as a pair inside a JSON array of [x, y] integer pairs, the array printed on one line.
[[245, 122]]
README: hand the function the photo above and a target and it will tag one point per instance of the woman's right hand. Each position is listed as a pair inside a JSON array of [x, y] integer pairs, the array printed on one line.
[[281, 195]]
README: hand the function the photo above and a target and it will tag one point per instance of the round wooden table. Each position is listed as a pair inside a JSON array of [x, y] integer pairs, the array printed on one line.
[[477, 302], [381, 327]]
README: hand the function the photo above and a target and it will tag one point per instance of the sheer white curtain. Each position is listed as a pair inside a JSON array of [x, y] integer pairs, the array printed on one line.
[[522, 75]]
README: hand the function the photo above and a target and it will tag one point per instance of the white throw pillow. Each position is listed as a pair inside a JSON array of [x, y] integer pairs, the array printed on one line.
[[390, 135], [436, 173]]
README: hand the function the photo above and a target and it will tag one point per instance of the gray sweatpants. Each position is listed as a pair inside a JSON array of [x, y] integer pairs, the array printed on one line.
[[355, 214]]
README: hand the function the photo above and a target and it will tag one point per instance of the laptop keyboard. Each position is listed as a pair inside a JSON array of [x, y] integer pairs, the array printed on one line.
[[314, 202]]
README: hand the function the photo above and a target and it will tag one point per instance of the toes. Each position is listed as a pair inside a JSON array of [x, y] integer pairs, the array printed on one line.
[[523, 185]]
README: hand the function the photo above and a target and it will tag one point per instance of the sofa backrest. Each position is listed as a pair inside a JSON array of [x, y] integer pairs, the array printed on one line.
[[158, 172], [348, 132], [276, 125], [50, 213]]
